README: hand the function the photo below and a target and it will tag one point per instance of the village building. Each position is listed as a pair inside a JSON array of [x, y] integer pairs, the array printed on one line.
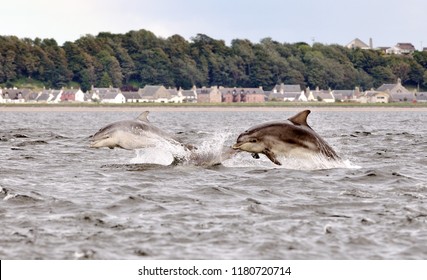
[[401, 48], [13, 95], [346, 95], [176, 96], [373, 96], [284, 92], [49, 96], [158, 94], [132, 96], [44, 96], [320, 95], [190, 95], [359, 44], [421, 97], [56, 96], [397, 92], [113, 98], [382, 49], [247, 95], [109, 95], [208, 95], [31, 96], [73, 95]]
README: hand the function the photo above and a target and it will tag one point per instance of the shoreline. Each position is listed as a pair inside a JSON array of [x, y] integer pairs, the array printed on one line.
[[53, 108]]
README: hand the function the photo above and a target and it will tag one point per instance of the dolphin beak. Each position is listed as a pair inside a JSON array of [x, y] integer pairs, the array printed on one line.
[[92, 144]]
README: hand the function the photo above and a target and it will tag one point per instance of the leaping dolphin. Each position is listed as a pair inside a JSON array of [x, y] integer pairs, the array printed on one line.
[[130, 134], [291, 138]]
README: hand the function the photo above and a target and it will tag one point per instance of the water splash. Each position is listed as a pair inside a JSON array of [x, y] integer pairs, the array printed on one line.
[[216, 150], [316, 162], [163, 153], [209, 152]]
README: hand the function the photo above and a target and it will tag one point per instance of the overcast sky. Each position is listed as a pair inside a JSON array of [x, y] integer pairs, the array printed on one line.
[[387, 22]]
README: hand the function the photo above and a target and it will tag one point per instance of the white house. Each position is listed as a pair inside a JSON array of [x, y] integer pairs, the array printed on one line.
[[401, 48], [72, 95], [190, 95], [13, 95], [55, 96], [113, 97], [320, 95], [49, 96], [374, 96], [176, 96], [110, 94], [284, 92], [132, 96]]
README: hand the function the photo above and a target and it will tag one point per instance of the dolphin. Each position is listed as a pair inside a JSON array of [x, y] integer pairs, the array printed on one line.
[[290, 138], [130, 134]]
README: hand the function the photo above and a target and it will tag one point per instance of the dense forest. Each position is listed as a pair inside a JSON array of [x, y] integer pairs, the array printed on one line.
[[138, 58]]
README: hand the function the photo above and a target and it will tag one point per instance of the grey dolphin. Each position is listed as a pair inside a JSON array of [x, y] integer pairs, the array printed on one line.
[[293, 137], [130, 134]]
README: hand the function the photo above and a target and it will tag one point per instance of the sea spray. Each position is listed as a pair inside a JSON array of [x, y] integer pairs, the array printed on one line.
[[315, 162], [209, 152]]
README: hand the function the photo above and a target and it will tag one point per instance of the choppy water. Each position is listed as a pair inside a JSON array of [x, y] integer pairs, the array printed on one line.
[[60, 199]]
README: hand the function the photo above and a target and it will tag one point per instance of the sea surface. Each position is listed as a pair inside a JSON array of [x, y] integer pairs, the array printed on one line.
[[60, 199]]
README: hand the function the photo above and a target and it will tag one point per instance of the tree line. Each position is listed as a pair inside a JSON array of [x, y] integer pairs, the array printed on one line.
[[138, 58]]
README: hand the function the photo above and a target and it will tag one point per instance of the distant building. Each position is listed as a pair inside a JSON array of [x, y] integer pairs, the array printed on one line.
[[190, 95], [359, 44], [49, 96], [347, 95], [284, 92], [247, 95], [176, 96], [421, 97], [208, 95], [382, 49], [401, 48], [320, 95], [132, 96], [107, 94], [72, 95], [13, 95], [373, 96], [113, 97], [397, 92], [156, 93]]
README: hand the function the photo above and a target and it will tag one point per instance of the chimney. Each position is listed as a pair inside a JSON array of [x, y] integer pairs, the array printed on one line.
[[371, 45]]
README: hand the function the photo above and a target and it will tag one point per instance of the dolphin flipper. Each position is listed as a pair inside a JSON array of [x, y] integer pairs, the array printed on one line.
[[255, 155], [271, 156]]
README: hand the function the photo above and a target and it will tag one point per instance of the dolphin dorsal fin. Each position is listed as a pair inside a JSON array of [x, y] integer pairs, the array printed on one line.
[[300, 118], [143, 116]]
